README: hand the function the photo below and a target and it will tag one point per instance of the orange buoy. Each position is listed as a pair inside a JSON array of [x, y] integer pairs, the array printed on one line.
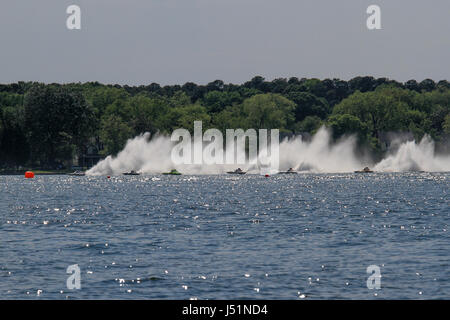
[[29, 174]]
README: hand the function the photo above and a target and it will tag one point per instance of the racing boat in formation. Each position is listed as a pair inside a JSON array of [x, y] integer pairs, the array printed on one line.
[[77, 173], [172, 172], [237, 171], [131, 173], [290, 171]]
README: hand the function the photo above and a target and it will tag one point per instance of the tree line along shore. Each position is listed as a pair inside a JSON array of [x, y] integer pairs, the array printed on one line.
[[53, 126]]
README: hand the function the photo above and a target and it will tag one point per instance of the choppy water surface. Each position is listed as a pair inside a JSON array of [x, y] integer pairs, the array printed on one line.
[[226, 237]]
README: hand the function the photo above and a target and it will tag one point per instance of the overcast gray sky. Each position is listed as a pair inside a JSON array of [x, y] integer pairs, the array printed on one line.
[[175, 41]]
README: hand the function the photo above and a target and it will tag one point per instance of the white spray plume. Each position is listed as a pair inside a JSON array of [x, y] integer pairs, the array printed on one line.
[[411, 156], [320, 155]]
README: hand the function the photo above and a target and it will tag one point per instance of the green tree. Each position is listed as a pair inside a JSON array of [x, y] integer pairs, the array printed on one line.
[[14, 147], [114, 133], [179, 99], [59, 122], [342, 124], [216, 101], [446, 125], [147, 114], [310, 124], [101, 97], [267, 111], [232, 117], [184, 117], [308, 104], [387, 109], [379, 112]]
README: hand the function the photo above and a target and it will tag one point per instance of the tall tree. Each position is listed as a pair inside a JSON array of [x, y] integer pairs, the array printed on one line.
[[267, 111], [59, 122]]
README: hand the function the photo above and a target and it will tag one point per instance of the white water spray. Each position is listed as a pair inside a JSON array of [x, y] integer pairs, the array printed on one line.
[[411, 156], [320, 155]]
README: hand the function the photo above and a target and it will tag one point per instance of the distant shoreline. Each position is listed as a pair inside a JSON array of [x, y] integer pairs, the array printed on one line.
[[37, 172]]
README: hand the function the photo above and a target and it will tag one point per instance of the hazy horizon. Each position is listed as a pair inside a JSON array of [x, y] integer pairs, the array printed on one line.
[[207, 82]]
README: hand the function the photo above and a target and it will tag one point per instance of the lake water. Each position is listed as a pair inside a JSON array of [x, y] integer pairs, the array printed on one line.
[[305, 236]]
